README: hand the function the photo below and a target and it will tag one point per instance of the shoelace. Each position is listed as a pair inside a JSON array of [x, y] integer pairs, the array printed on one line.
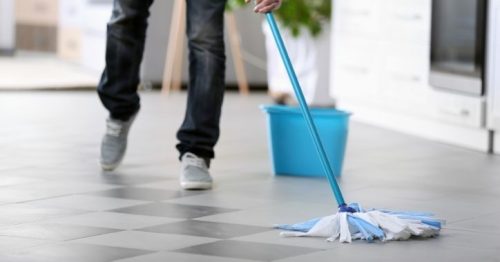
[[194, 161], [113, 128]]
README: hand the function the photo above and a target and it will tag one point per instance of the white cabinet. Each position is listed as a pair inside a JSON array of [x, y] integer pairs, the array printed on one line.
[[380, 71]]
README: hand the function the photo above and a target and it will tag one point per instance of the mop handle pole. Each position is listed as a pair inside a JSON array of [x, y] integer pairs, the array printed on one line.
[[305, 110]]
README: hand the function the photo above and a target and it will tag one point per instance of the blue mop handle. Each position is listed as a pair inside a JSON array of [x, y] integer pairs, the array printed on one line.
[[305, 110]]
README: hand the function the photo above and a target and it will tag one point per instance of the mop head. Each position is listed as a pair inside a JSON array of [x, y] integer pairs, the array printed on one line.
[[353, 222]]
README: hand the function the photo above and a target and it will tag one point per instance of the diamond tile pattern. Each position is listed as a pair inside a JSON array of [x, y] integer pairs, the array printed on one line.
[[173, 210], [56, 204], [247, 250], [53, 231], [147, 194], [207, 229]]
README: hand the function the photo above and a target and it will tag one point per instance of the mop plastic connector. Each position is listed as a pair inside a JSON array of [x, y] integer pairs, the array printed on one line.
[[348, 209]]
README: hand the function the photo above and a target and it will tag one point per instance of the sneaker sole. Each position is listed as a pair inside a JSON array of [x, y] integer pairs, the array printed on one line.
[[196, 185], [109, 167]]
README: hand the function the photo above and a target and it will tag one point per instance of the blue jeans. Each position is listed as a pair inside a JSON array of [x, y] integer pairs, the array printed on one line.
[[126, 35]]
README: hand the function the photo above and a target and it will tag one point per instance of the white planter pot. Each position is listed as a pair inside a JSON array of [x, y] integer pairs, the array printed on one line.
[[310, 57]]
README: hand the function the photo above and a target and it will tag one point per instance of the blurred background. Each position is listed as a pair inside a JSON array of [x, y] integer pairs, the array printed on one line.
[[422, 67]]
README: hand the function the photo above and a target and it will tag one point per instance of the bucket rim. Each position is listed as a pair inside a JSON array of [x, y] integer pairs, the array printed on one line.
[[284, 109]]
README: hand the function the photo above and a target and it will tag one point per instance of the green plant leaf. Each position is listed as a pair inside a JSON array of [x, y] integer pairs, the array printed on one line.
[[297, 15]]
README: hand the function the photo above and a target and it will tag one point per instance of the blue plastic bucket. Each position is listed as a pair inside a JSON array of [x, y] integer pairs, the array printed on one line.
[[291, 146]]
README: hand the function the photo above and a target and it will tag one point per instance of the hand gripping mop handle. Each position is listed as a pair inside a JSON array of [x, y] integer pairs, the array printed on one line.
[[305, 110]]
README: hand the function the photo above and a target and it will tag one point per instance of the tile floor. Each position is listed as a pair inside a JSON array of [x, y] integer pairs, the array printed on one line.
[[56, 205]]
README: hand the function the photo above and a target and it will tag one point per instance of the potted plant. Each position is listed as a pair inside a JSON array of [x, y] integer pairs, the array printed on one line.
[[305, 29]]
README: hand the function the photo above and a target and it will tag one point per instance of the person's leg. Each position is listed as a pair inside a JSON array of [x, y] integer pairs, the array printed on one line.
[[118, 86], [205, 30], [200, 130], [124, 50]]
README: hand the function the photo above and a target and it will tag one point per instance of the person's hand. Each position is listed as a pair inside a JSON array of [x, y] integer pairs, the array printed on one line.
[[264, 6]]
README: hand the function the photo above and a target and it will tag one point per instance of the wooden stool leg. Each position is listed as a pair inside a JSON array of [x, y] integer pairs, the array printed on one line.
[[179, 55], [173, 59], [235, 42]]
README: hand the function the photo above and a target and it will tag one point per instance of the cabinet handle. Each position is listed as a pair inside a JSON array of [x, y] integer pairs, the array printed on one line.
[[456, 112], [356, 69], [408, 17], [357, 12], [406, 78]]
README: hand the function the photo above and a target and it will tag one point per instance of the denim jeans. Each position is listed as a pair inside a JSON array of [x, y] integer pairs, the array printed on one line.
[[126, 35]]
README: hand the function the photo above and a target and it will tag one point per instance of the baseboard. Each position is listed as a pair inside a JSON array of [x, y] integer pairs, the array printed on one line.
[[467, 137], [229, 87]]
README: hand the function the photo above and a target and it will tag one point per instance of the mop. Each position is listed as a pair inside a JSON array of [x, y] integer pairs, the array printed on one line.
[[351, 222]]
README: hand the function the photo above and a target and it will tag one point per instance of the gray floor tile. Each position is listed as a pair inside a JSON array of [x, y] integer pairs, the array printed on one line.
[[247, 250], [173, 210], [13, 180], [451, 237], [10, 195], [24, 213], [145, 240], [87, 202], [274, 237], [55, 188], [11, 244], [487, 224], [113, 220], [53, 231], [206, 229], [411, 251], [74, 252], [180, 257], [148, 194], [283, 213], [222, 199], [120, 178]]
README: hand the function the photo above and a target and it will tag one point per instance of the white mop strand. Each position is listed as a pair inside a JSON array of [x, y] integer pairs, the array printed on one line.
[[367, 225]]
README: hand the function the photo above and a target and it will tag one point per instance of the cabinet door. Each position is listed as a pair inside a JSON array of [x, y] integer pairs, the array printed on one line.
[[357, 17], [404, 73], [354, 68], [406, 21]]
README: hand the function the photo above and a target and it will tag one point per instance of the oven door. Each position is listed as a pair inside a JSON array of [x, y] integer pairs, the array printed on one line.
[[457, 45]]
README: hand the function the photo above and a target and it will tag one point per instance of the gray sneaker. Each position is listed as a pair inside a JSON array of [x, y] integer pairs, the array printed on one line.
[[194, 174], [114, 142]]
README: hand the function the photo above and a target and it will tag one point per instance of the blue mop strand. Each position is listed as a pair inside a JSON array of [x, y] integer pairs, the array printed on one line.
[[409, 213], [426, 220], [301, 227], [374, 230], [435, 224], [305, 111], [351, 220]]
